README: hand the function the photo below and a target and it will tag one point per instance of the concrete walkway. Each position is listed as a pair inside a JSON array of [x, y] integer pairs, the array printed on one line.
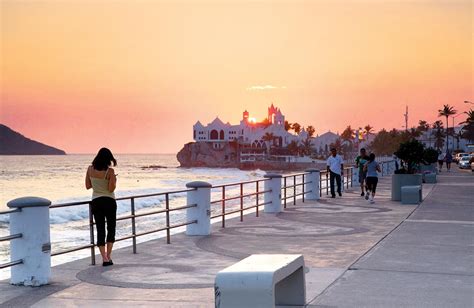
[[357, 255]]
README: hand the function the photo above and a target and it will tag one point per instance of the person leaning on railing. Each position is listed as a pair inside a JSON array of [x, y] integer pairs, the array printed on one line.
[[102, 179]]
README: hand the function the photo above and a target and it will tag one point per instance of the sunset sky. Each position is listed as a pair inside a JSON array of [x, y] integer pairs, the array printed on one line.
[[136, 75]]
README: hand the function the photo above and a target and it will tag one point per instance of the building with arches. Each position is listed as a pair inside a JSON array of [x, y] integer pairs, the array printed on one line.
[[248, 132]]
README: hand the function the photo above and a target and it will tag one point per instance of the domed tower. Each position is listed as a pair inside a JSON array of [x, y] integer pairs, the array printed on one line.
[[279, 118], [245, 116], [271, 113]]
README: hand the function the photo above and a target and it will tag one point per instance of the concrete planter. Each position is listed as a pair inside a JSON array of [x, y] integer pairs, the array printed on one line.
[[431, 168], [399, 180]]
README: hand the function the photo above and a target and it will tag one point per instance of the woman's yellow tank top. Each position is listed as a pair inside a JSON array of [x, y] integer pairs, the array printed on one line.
[[100, 187]]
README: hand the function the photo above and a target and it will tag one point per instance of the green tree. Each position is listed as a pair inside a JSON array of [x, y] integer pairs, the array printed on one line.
[[296, 128], [268, 138], [293, 147], [368, 130], [447, 111], [337, 145], [307, 147], [468, 127], [423, 126], [387, 142], [288, 125], [310, 130], [438, 134]]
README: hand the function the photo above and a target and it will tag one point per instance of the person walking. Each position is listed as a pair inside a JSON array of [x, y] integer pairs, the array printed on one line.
[[449, 159], [371, 167], [440, 160], [360, 162], [335, 167], [102, 179]]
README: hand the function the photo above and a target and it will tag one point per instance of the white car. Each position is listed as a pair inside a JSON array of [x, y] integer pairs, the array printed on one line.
[[464, 162], [458, 157]]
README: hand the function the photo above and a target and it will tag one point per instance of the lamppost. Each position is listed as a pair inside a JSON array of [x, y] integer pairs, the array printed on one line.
[[468, 102]]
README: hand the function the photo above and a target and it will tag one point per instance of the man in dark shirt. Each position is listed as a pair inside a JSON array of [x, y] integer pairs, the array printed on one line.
[[360, 162]]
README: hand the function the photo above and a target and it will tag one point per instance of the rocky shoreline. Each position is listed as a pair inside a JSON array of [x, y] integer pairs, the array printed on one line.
[[203, 154]]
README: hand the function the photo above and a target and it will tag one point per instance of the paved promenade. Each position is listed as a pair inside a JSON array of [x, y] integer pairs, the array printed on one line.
[[357, 255]]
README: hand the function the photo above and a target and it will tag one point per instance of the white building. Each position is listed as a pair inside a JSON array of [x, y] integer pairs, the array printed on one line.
[[248, 132]]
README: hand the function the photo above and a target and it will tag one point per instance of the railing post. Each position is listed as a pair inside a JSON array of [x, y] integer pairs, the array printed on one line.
[[91, 234], [201, 196], [34, 246], [355, 175], [312, 185], [273, 198]]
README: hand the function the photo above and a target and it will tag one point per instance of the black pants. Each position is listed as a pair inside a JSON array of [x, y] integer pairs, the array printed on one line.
[[372, 183], [337, 177], [104, 208]]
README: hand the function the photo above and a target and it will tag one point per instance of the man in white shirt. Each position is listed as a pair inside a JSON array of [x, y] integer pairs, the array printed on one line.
[[335, 167]]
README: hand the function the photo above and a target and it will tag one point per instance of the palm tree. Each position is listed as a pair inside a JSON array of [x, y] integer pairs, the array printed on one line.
[[468, 128], [447, 111], [307, 149], [268, 138], [348, 134], [287, 125], [296, 127], [293, 147], [310, 130], [368, 130], [439, 134]]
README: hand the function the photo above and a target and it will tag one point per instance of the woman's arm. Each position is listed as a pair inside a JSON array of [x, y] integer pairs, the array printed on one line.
[[365, 167], [88, 179], [378, 168], [112, 180]]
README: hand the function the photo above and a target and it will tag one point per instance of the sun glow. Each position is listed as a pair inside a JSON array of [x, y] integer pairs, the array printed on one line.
[[252, 120]]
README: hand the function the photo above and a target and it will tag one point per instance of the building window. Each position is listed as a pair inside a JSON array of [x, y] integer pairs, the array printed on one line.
[[221, 135], [214, 134], [194, 134]]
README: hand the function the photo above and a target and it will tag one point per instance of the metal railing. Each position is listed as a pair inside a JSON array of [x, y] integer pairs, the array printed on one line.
[[228, 199], [223, 201], [9, 238], [132, 217]]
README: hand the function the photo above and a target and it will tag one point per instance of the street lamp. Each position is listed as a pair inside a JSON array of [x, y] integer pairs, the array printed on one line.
[[468, 102]]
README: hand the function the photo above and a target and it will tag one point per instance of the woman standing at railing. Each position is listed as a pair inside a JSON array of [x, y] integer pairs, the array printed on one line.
[[102, 179]]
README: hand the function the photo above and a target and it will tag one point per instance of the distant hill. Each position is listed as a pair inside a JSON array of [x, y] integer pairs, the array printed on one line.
[[13, 143]]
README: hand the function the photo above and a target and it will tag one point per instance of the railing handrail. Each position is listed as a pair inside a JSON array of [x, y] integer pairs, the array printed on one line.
[[238, 183], [122, 198]]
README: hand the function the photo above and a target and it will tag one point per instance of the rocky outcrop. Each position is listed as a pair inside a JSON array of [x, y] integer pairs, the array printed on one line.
[[203, 154], [13, 143]]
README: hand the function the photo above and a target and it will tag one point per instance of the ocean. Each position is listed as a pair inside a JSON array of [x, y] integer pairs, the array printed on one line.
[[61, 179]]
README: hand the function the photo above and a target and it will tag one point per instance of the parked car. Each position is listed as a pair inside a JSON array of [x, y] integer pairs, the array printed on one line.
[[458, 156], [472, 163], [465, 162]]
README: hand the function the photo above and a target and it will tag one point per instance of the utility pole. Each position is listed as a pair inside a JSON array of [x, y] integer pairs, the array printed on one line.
[[406, 118]]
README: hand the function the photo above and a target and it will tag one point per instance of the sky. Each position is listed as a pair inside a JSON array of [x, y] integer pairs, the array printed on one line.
[[136, 75]]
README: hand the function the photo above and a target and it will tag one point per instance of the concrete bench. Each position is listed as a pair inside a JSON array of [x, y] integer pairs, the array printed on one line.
[[411, 194], [430, 178], [262, 281]]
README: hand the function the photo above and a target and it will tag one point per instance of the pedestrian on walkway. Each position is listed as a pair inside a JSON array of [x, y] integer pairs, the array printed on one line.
[[335, 167], [371, 167], [360, 162], [102, 179], [449, 159], [440, 160]]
